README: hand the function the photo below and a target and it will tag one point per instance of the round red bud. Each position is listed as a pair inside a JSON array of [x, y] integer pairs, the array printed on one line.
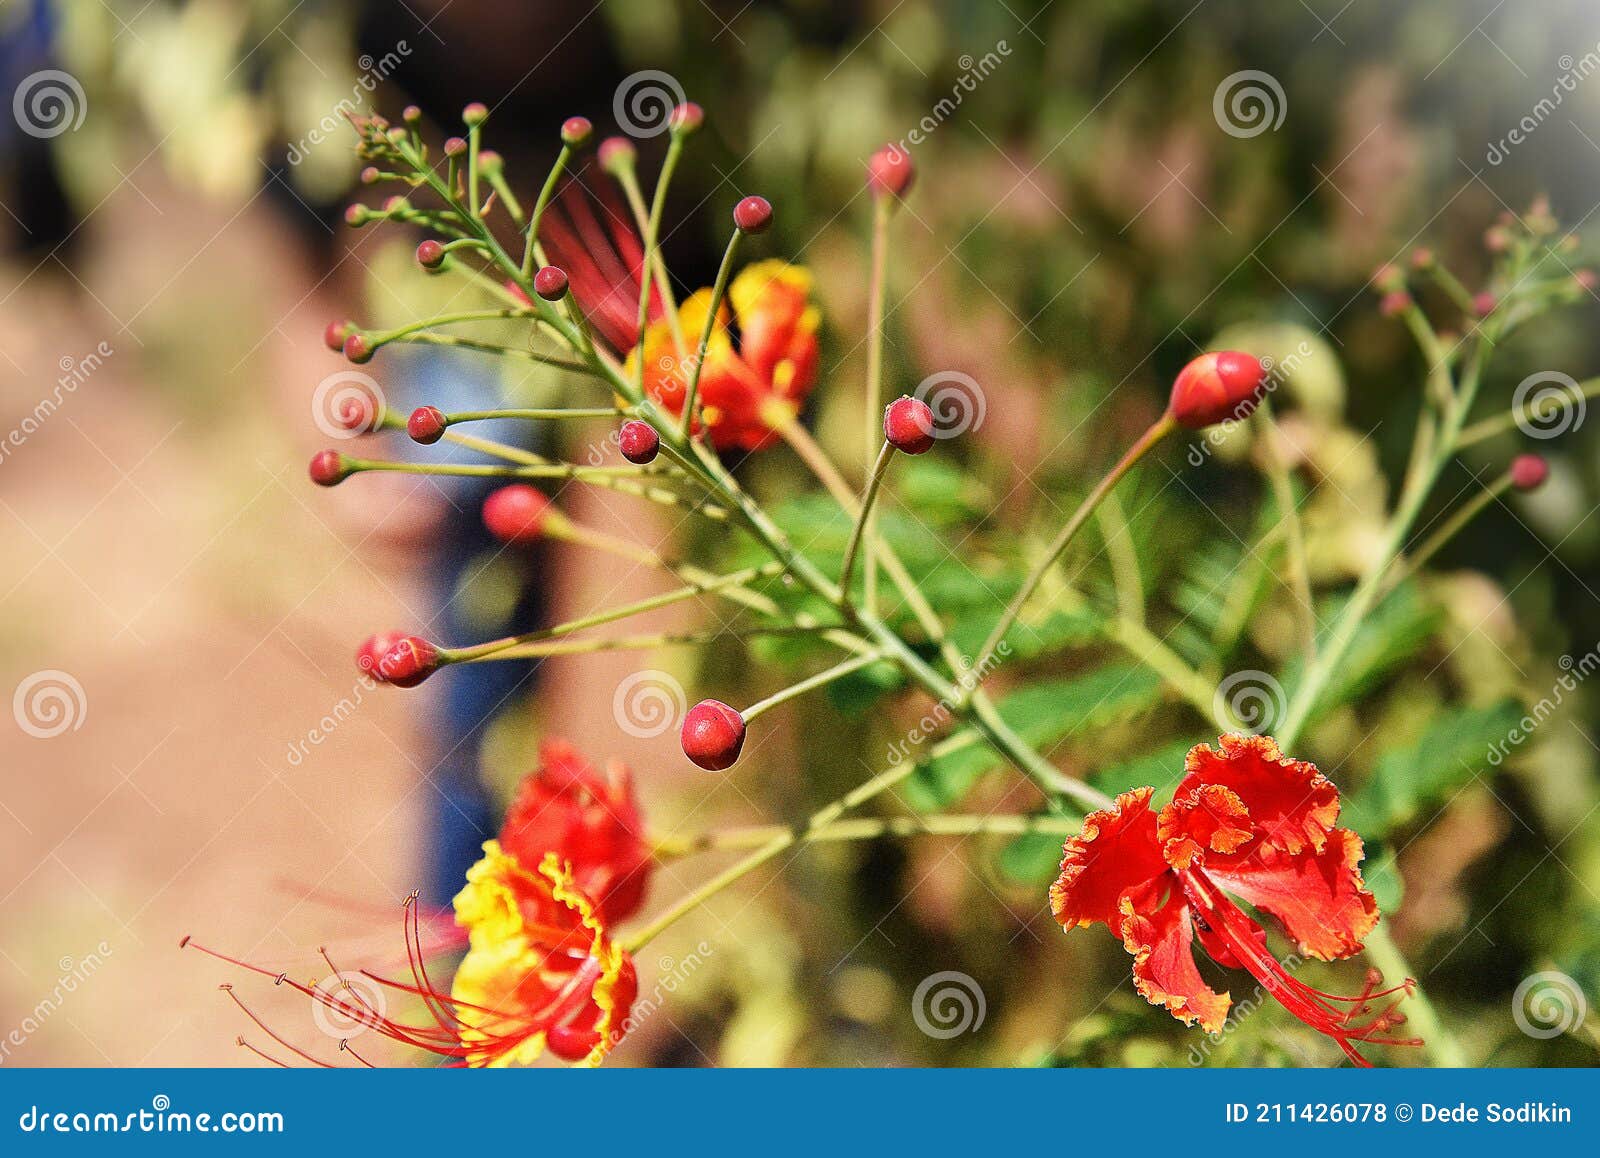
[[517, 513], [1217, 386], [576, 131], [1483, 304], [358, 349], [1422, 258], [753, 215], [474, 114], [1394, 303], [408, 662], [908, 425], [616, 153], [1528, 471], [355, 216], [890, 172], [328, 468], [426, 425], [550, 283], [713, 735], [686, 118], [374, 648], [333, 337], [430, 254], [371, 175], [638, 441]]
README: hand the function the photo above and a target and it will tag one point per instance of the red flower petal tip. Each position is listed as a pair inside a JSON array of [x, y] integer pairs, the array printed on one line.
[[713, 735], [1215, 387], [908, 425], [518, 513]]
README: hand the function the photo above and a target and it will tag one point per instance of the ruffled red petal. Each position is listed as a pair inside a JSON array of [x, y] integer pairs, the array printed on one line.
[[1161, 940], [1115, 858], [1284, 803]]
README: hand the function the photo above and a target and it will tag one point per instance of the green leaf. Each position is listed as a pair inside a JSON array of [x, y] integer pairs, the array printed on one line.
[[1062, 628], [854, 694], [1382, 875], [1407, 780], [1160, 769], [1043, 714], [1032, 859]]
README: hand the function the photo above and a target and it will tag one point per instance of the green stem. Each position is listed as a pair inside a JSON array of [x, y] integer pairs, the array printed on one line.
[[718, 289], [811, 683], [530, 248], [1386, 957], [869, 828], [872, 418], [874, 482]]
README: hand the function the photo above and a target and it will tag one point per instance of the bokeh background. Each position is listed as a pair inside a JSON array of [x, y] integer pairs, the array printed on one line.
[[1083, 222]]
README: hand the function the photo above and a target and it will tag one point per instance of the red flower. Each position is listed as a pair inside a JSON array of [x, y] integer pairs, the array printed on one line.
[[593, 240], [591, 820], [541, 971], [1245, 823]]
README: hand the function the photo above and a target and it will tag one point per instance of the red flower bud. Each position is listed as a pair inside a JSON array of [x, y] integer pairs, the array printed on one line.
[[1483, 304], [474, 114], [908, 425], [1394, 303], [753, 215], [358, 349], [713, 735], [550, 283], [411, 115], [1214, 387], [1422, 258], [408, 662], [638, 441], [1528, 471], [371, 175], [686, 118], [426, 425], [334, 336], [454, 146], [328, 468], [374, 648], [890, 172], [430, 254], [517, 513], [576, 131], [355, 216], [1585, 280], [616, 153]]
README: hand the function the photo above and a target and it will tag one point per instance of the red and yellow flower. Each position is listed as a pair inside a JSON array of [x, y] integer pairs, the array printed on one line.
[[1245, 824], [590, 819], [749, 388]]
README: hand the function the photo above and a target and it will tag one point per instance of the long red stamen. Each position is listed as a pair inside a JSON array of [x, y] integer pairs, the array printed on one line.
[[1312, 1006]]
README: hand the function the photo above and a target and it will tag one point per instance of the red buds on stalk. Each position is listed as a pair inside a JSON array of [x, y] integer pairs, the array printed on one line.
[[753, 215], [358, 349], [430, 254], [1483, 304], [713, 735], [616, 154], [550, 283], [328, 468], [638, 442], [374, 648], [908, 425], [1214, 387], [1394, 303], [890, 172], [409, 662], [474, 114], [517, 513], [1528, 472], [686, 118], [576, 131], [334, 336], [426, 425]]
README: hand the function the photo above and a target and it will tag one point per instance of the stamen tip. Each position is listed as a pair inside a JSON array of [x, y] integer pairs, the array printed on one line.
[[184, 944]]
